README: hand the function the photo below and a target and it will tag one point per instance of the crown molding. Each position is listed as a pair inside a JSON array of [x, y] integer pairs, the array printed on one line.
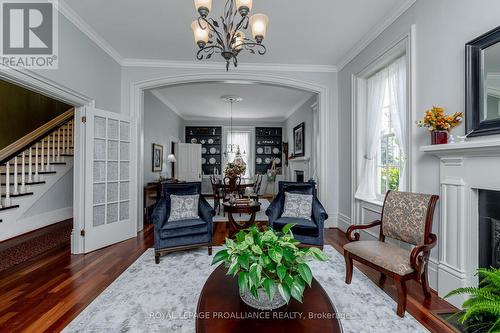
[[156, 93], [374, 33], [81, 25], [131, 62]]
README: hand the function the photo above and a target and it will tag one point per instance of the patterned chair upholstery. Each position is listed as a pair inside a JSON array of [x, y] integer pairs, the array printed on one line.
[[307, 231], [406, 217], [173, 236]]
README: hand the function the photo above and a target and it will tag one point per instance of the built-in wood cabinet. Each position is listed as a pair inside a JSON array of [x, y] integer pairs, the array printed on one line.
[[210, 139], [268, 147]]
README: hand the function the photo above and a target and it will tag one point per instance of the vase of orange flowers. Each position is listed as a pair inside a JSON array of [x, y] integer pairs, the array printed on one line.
[[439, 124]]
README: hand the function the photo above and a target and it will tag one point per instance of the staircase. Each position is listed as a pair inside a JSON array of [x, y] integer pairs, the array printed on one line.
[[30, 167]]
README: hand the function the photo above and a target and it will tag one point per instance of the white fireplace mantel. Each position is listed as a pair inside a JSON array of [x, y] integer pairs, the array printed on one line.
[[465, 168]]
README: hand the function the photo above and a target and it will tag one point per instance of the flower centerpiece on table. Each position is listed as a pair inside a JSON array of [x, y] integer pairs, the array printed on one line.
[[234, 170], [439, 124]]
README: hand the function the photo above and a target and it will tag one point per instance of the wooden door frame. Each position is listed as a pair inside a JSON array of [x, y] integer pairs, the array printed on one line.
[[31, 80]]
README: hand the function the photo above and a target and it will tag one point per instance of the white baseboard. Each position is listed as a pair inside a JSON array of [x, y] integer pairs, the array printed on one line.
[[44, 219], [450, 278], [344, 221], [332, 221]]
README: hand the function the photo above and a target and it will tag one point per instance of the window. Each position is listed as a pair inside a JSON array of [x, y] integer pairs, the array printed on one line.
[[389, 159], [242, 139], [382, 132]]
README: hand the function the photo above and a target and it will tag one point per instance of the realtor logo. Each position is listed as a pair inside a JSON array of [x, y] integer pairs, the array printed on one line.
[[28, 34]]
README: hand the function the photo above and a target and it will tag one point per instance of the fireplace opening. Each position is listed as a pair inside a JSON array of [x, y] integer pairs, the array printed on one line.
[[299, 176], [489, 229]]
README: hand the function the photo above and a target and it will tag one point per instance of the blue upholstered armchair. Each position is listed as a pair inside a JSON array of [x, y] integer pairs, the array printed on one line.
[[172, 236], [309, 232]]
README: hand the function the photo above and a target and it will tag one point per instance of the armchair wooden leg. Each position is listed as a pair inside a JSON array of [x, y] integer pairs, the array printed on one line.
[[425, 284], [157, 258], [382, 279], [348, 267], [209, 250], [401, 287]]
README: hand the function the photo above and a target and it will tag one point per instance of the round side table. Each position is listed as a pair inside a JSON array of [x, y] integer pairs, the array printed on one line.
[[234, 226]]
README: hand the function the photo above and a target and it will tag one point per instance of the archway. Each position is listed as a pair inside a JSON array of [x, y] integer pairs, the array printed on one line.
[[137, 112]]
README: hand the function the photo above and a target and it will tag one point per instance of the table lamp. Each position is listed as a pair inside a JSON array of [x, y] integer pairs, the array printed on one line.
[[171, 159]]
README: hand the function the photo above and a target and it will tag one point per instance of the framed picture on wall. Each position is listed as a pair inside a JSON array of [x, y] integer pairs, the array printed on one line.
[[157, 158], [299, 140], [267, 150]]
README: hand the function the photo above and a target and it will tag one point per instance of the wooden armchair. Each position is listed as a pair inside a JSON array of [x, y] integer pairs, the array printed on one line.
[[406, 217]]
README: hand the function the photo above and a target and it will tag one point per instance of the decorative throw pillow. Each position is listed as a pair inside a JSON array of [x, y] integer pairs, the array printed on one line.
[[298, 205], [183, 207]]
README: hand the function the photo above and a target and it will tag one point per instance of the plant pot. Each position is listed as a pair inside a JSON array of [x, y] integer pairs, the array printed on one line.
[[263, 302], [439, 137]]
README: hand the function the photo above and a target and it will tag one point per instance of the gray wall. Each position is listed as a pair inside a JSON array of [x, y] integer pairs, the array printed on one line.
[[442, 29], [86, 68], [160, 123], [305, 115]]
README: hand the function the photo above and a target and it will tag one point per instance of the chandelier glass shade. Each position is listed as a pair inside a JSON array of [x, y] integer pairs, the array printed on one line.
[[227, 36]]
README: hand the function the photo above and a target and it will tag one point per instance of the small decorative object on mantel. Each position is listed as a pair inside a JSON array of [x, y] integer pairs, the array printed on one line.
[[439, 124], [270, 267]]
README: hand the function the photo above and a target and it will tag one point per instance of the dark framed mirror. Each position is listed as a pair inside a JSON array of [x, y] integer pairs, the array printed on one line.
[[482, 80]]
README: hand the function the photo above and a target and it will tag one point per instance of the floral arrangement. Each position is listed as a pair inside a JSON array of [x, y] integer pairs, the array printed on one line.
[[235, 169], [436, 120]]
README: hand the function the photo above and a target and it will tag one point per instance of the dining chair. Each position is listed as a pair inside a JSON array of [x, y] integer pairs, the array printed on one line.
[[217, 191]]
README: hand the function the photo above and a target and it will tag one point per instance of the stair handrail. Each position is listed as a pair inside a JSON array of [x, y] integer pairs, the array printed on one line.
[[20, 145]]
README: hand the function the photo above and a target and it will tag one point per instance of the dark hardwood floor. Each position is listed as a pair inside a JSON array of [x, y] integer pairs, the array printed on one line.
[[47, 292]]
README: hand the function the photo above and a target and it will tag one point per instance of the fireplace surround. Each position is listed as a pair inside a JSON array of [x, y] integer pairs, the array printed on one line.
[[468, 171]]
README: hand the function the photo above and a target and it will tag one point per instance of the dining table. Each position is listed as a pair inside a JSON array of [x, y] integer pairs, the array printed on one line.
[[245, 182]]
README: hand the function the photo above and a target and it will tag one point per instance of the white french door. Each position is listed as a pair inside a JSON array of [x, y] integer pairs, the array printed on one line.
[[109, 201]]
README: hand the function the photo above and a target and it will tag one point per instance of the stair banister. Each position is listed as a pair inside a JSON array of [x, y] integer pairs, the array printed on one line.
[[17, 147]]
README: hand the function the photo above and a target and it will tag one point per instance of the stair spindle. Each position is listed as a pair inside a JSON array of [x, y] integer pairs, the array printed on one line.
[[72, 136], [23, 176], [30, 167], [59, 145], [37, 177], [63, 148], [6, 200], [15, 190], [54, 148], [42, 162], [68, 145], [48, 154]]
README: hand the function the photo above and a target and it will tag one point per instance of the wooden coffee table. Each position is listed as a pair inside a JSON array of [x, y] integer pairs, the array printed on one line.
[[221, 310], [234, 226]]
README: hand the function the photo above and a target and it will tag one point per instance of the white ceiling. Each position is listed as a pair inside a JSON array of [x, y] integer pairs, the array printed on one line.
[[319, 32], [202, 101]]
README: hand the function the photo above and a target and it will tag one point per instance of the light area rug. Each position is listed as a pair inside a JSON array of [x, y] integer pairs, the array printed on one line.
[[260, 216], [162, 298]]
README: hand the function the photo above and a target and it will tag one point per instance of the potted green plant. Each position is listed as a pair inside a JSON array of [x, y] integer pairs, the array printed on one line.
[[270, 267], [481, 312]]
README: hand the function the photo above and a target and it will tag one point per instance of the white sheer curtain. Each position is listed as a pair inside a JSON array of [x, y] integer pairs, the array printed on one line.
[[397, 89], [241, 138], [376, 86]]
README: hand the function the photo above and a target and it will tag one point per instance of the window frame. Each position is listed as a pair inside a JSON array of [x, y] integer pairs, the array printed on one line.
[[404, 46]]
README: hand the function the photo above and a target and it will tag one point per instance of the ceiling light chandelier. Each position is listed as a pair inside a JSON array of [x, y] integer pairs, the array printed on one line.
[[227, 37], [232, 151]]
